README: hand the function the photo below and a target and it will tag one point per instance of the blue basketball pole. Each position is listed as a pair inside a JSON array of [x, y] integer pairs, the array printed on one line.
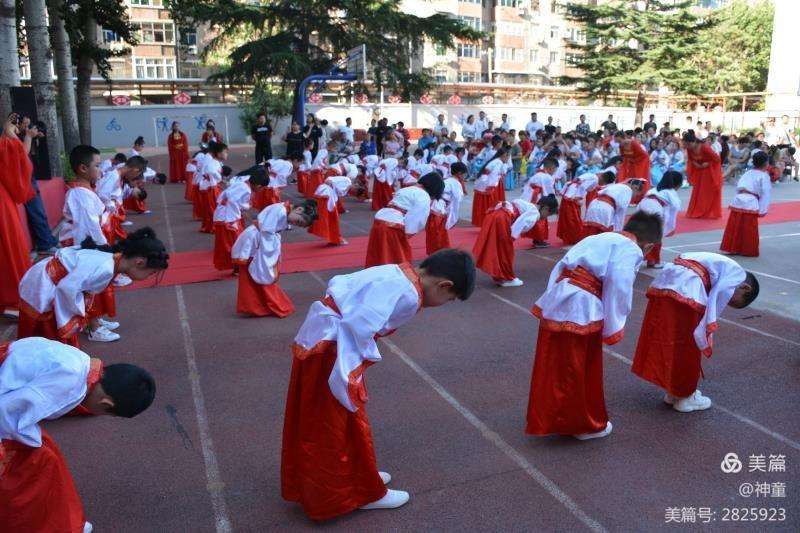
[[301, 104]]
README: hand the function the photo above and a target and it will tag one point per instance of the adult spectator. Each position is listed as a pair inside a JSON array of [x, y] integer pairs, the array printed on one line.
[[550, 128], [405, 134], [211, 134], [347, 130], [381, 132], [437, 129], [178, 150], [583, 127], [505, 125], [312, 131], [261, 132], [482, 124], [609, 124], [294, 139], [650, 124], [533, 126], [468, 129]]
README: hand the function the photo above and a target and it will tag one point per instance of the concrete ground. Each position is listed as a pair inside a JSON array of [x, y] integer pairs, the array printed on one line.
[[447, 408]]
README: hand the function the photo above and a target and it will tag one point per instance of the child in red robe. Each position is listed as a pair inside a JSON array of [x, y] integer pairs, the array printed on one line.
[[328, 460], [41, 380], [383, 186], [507, 222], [541, 184], [232, 204], [444, 213], [683, 306], [570, 223], [405, 216], [587, 301], [327, 197], [209, 186], [635, 163], [257, 251], [751, 202], [485, 195], [607, 211], [704, 171]]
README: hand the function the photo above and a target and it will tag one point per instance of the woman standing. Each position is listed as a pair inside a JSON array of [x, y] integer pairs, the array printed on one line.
[[210, 134], [704, 170], [312, 131], [178, 148]]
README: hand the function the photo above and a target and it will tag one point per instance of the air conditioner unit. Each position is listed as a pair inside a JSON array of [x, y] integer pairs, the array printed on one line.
[[192, 49]]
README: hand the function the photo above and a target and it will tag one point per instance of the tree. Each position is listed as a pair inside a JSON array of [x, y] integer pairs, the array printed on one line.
[[636, 44], [733, 54], [82, 19], [63, 60], [9, 55], [284, 41], [39, 54]]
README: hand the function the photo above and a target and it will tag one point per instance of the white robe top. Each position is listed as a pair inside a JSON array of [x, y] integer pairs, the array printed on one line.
[[686, 285], [604, 214], [345, 168], [541, 180], [612, 258], [321, 160], [386, 171], [199, 162], [89, 271], [371, 302], [262, 242], [527, 218], [232, 201], [279, 172], [333, 188], [580, 186], [84, 216], [370, 162], [109, 190], [666, 204], [453, 195], [753, 191], [40, 379], [409, 207], [491, 175], [212, 174]]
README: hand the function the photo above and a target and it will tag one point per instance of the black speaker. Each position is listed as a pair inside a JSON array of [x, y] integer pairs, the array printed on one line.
[[23, 102]]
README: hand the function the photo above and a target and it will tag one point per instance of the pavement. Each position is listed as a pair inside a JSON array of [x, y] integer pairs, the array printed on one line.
[[447, 409]]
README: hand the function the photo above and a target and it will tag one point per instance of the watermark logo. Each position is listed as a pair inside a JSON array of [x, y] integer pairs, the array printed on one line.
[[731, 464]]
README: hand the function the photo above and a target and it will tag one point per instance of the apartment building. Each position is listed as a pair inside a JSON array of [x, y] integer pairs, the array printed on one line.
[[528, 41]]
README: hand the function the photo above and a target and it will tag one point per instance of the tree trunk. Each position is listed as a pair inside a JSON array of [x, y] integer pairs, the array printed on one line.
[[66, 88], [41, 80], [9, 56], [638, 121], [85, 68]]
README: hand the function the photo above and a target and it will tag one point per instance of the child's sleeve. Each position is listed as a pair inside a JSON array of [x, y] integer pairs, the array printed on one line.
[[618, 293]]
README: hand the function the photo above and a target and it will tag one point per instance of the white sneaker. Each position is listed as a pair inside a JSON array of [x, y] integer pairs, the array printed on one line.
[[695, 402], [101, 334], [147, 212], [392, 500], [516, 282], [121, 280], [13, 313], [385, 477], [656, 266], [108, 324], [605, 433], [669, 399], [126, 223], [87, 527]]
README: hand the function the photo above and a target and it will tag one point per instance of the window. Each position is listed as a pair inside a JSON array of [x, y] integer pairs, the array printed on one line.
[[510, 28], [553, 57], [190, 69], [110, 36], [534, 56], [188, 37], [472, 22], [440, 75], [510, 54], [580, 36], [570, 58], [469, 77], [470, 1], [508, 3], [554, 32], [468, 50], [156, 32], [147, 3], [154, 68]]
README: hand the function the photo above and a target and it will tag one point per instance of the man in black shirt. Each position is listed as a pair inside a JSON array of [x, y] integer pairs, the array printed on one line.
[[380, 134], [262, 135], [650, 124], [609, 124], [312, 131], [550, 128]]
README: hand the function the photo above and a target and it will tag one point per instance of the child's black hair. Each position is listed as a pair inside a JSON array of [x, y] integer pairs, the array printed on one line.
[[258, 175], [646, 226], [139, 140], [296, 157], [216, 148], [83, 154], [500, 153], [226, 171], [549, 162], [457, 266], [550, 202], [760, 160], [607, 177], [140, 243], [614, 160], [419, 152], [137, 162], [119, 157], [458, 168], [141, 194], [460, 150], [672, 179], [433, 184], [309, 210], [130, 387], [751, 280], [161, 178], [447, 148]]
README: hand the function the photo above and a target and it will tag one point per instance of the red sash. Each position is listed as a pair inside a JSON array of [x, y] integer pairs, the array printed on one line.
[[607, 199], [581, 277], [697, 268]]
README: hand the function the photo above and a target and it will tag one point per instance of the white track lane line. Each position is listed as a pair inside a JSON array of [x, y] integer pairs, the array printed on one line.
[[214, 484], [492, 436], [727, 321], [752, 423], [690, 245]]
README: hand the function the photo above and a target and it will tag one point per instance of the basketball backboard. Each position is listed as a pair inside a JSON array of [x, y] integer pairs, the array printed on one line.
[[357, 62]]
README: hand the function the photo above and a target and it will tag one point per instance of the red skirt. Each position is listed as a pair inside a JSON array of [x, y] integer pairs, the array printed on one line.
[[196, 203], [28, 326], [666, 354], [481, 203], [494, 247], [499, 193], [327, 459], [387, 244], [741, 234], [315, 178], [37, 493], [539, 232], [591, 229], [570, 225], [653, 257], [566, 396], [302, 182], [225, 234], [115, 227], [133, 204], [436, 236], [327, 224], [264, 197], [208, 204], [188, 187], [256, 299], [382, 194], [103, 304]]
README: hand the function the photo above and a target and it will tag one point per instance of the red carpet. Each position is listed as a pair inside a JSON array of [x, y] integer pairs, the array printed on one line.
[[309, 256]]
